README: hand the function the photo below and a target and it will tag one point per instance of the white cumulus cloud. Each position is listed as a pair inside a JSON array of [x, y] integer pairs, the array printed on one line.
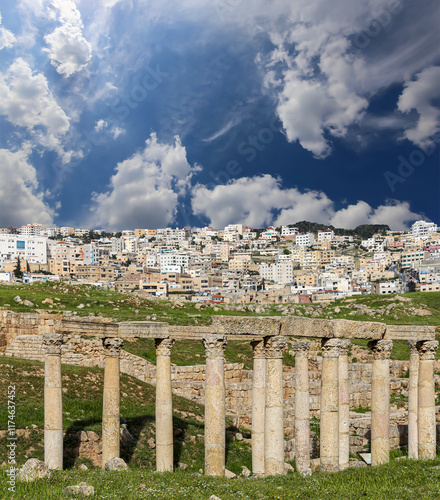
[[261, 201], [419, 95], [68, 50], [145, 188], [7, 38], [21, 198]]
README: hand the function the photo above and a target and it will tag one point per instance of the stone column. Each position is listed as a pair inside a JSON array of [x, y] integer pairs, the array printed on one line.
[[413, 404], [164, 406], [302, 406], [215, 438], [53, 402], [344, 405], [427, 437], [274, 417], [380, 401], [329, 445], [111, 399], [258, 406]]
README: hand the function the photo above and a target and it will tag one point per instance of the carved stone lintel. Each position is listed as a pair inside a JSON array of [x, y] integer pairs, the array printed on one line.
[[163, 347], [344, 345], [330, 348], [112, 346], [53, 342], [301, 348], [413, 346], [427, 349], [214, 345], [381, 349], [258, 348], [275, 346]]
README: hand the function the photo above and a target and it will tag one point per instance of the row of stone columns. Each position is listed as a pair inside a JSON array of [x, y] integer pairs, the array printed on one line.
[[267, 403]]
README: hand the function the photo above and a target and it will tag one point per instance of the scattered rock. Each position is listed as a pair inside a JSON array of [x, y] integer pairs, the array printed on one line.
[[306, 473], [229, 474], [337, 310], [214, 497], [288, 468], [239, 436], [151, 443], [17, 298], [315, 464], [82, 489], [419, 312], [183, 466], [28, 303], [47, 301], [83, 467], [81, 306], [116, 464], [357, 464], [34, 469], [245, 471]]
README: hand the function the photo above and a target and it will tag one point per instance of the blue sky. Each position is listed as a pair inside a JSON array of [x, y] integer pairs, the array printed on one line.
[[141, 113]]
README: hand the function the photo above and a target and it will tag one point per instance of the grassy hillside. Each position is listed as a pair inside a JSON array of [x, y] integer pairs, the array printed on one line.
[[411, 308]]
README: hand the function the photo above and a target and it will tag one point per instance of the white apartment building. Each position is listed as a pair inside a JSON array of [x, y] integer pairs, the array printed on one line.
[[423, 228], [305, 240], [30, 248], [234, 228], [327, 235], [289, 231], [31, 230], [281, 273], [168, 259]]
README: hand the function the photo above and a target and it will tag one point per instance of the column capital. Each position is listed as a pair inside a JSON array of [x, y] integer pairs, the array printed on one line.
[[344, 345], [413, 346], [53, 342], [163, 346], [427, 349], [258, 348], [381, 349], [330, 348], [275, 346], [214, 345], [112, 346], [301, 348]]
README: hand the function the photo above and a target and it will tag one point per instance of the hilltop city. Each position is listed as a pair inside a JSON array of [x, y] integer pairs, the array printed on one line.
[[298, 263]]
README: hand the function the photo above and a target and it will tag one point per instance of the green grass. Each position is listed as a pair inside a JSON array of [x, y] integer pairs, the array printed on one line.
[[398, 480], [128, 307], [82, 410]]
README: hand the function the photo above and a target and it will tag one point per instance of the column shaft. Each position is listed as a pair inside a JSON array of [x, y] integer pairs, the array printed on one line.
[[344, 406], [302, 406], [426, 420], [413, 441], [53, 402], [274, 412], [329, 443], [111, 400], [164, 406], [215, 438], [258, 407], [380, 402]]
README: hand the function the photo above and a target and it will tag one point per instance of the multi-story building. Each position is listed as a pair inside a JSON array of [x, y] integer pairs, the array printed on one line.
[[29, 248], [305, 240], [423, 228], [280, 273]]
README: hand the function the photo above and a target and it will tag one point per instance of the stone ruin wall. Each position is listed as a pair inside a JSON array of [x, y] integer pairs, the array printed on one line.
[[20, 336]]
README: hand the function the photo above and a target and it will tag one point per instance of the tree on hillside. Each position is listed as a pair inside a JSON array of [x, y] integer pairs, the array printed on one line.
[[18, 273]]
